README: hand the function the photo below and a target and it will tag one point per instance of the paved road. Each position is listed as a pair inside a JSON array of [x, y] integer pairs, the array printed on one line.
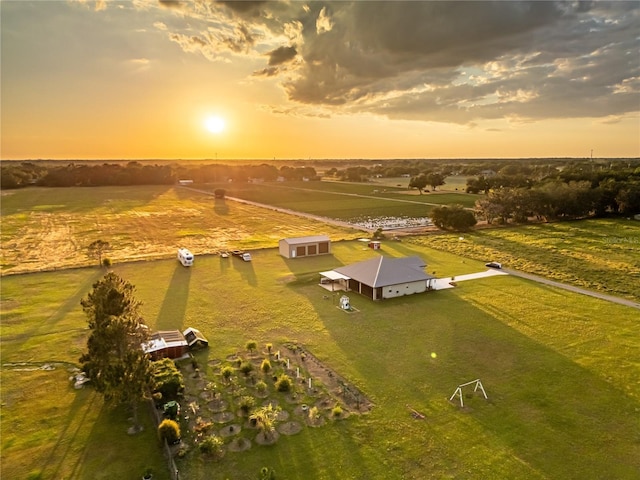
[[571, 288]]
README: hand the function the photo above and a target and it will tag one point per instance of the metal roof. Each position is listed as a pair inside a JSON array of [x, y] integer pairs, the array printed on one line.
[[384, 271], [309, 239]]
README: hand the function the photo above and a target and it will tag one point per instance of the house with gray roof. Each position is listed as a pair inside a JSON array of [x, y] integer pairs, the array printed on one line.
[[382, 277]]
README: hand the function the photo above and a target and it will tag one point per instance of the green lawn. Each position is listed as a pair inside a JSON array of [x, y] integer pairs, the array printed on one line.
[[560, 370], [601, 254], [345, 201]]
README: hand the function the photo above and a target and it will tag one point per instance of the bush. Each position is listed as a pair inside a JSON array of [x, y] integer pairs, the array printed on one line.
[[226, 373], [261, 387], [453, 217], [246, 368], [269, 347], [212, 445], [246, 404], [168, 379], [169, 430], [266, 366], [337, 411], [106, 262], [252, 345], [314, 414], [284, 383]]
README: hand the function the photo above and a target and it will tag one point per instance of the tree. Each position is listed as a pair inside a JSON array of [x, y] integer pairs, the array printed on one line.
[[435, 179], [453, 217], [419, 182], [97, 249], [115, 362]]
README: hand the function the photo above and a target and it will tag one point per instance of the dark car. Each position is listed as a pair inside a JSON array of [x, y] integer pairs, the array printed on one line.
[[493, 265]]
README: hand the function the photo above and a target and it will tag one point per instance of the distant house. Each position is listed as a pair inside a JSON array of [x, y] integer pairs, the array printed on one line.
[[173, 343], [304, 246], [185, 182], [381, 277]]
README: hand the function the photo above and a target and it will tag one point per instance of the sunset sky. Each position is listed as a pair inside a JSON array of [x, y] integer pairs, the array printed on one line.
[[295, 80]]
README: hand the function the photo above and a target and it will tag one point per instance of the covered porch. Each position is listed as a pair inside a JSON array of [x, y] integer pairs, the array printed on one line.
[[334, 281]]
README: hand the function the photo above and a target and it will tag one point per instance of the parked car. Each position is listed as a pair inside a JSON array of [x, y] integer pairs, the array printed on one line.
[[493, 265], [237, 253], [246, 257], [224, 254]]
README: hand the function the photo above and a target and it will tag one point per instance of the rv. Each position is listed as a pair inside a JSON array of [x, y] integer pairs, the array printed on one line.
[[185, 257]]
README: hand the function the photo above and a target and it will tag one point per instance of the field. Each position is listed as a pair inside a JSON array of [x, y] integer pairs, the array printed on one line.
[[560, 369], [602, 254], [45, 228]]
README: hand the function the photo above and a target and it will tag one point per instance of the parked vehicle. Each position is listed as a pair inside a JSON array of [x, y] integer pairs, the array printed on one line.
[[224, 254], [246, 257], [185, 257], [493, 265]]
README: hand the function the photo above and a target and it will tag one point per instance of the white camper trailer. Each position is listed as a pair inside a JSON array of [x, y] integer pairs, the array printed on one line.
[[185, 257]]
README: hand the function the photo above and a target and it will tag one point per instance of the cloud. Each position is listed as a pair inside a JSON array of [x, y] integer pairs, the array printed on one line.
[[282, 55], [448, 61]]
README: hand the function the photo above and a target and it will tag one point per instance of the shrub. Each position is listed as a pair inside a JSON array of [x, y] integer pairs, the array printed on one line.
[[261, 387], [314, 414], [252, 345], [226, 373], [106, 262], [266, 366], [337, 411], [246, 404], [168, 379], [212, 445], [284, 383], [246, 368], [202, 425], [269, 347], [169, 430]]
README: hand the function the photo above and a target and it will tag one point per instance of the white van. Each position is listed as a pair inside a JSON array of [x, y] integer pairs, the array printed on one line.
[[185, 257]]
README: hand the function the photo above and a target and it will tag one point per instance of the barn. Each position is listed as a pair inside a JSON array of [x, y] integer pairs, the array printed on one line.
[[304, 246], [382, 277], [166, 344]]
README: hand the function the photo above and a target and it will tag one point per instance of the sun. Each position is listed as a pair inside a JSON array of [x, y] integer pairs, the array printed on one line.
[[214, 124]]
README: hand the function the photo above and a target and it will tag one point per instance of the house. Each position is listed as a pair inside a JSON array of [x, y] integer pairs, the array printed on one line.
[[304, 246], [173, 343], [381, 277]]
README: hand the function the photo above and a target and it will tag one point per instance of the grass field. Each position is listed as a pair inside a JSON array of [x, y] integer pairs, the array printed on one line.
[[560, 370], [345, 201], [46, 228], [602, 254]]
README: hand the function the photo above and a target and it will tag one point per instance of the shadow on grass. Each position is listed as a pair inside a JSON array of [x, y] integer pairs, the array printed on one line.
[[551, 413], [46, 327], [246, 270], [174, 305]]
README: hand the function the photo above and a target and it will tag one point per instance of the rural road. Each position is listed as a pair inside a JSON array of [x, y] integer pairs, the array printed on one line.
[[515, 273]]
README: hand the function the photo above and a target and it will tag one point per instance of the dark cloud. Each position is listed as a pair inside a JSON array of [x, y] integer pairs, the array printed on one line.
[[451, 61], [282, 55]]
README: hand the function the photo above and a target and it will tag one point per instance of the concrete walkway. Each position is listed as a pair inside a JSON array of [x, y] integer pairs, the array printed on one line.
[[443, 283]]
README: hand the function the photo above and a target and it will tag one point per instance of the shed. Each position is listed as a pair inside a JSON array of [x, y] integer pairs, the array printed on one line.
[[166, 344], [194, 338], [304, 246], [384, 277]]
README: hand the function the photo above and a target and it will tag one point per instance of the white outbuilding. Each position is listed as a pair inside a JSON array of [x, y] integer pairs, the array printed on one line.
[[304, 246]]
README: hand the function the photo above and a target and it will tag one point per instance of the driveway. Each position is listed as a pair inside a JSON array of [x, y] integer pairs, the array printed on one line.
[[444, 283]]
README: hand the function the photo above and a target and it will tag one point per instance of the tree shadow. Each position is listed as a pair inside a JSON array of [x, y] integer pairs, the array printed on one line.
[[174, 305]]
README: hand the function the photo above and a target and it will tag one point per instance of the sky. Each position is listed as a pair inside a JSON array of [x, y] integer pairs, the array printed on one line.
[[149, 79]]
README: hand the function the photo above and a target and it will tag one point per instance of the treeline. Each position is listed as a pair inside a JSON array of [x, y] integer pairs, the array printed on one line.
[[18, 175], [577, 191]]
